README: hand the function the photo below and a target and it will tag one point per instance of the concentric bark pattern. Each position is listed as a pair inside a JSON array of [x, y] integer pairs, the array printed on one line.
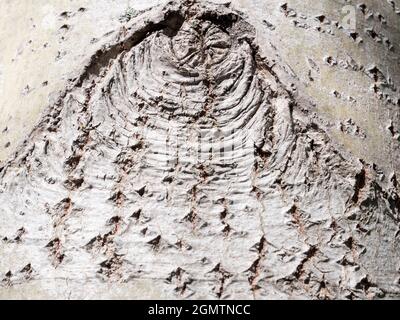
[[179, 159]]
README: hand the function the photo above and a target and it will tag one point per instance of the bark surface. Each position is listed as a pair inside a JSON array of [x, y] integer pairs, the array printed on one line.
[[185, 160]]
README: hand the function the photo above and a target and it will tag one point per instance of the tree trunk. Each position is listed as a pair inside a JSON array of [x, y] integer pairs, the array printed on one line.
[[207, 151]]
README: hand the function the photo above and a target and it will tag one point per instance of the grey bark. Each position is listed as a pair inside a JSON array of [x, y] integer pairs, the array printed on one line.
[[122, 190]]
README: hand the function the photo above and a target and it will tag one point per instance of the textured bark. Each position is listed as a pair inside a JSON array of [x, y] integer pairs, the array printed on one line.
[[122, 189]]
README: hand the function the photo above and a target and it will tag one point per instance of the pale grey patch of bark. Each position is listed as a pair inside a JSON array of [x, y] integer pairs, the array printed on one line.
[[108, 191]]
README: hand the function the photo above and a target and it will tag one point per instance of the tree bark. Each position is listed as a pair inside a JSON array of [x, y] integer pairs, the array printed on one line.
[[210, 151]]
